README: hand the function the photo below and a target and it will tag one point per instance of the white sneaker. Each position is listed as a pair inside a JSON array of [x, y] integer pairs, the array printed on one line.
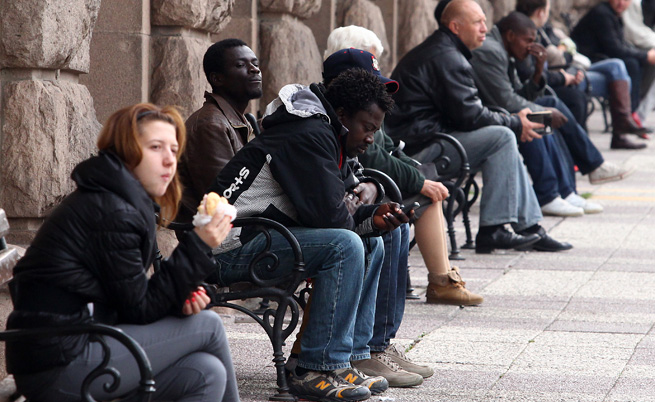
[[559, 207], [609, 172], [587, 206]]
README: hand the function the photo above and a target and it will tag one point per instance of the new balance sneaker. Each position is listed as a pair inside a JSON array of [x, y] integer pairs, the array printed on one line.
[[380, 364], [325, 386], [398, 356], [376, 385]]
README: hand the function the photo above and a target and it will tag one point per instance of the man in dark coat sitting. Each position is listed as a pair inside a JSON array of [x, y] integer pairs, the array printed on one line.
[[438, 93]]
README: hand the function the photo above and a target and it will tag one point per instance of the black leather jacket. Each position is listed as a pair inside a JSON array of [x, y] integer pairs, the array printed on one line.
[[599, 35], [438, 94], [96, 247]]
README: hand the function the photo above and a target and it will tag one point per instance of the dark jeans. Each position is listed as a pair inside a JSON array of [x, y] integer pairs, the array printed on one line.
[[390, 303], [549, 168], [576, 100], [584, 153]]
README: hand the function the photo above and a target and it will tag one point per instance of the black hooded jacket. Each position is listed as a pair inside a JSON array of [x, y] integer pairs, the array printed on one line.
[[96, 247], [296, 171]]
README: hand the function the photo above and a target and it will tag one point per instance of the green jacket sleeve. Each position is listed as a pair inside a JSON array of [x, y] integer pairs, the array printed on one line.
[[401, 169]]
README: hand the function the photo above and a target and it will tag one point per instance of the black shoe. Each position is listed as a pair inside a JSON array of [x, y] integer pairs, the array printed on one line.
[[547, 243], [503, 239], [621, 141]]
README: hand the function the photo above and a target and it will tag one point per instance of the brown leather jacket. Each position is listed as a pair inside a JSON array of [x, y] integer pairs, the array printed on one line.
[[215, 133]]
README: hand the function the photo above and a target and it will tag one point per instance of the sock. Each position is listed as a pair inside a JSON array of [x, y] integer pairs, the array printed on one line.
[[487, 230], [532, 229]]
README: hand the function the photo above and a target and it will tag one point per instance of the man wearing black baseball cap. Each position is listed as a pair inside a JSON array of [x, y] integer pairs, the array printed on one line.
[[296, 173], [416, 184]]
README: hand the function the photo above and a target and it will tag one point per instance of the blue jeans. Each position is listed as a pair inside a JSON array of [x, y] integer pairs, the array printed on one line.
[[390, 304], [344, 290], [551, 171], [584, 153], [601, 73], [507, 196]]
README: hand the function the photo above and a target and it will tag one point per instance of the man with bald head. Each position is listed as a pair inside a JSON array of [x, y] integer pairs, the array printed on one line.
[[438, 94]]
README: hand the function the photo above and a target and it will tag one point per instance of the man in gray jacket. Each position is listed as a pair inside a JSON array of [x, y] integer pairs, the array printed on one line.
[[512, 40], [547, 161]]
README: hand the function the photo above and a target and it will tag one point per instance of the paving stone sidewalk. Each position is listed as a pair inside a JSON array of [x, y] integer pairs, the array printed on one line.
[[570, 326]]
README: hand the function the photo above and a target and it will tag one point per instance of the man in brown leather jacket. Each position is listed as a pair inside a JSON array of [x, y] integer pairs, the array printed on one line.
[[219, 129]]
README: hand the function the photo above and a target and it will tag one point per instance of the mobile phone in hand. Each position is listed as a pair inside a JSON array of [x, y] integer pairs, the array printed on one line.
[[408, 208], [544, 117]]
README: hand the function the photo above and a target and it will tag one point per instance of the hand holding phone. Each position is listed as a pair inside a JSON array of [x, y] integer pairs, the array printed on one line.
[[407, 209], [546, 118]]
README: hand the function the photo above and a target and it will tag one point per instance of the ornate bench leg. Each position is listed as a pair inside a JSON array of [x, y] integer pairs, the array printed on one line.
[[409, 290], [470, 244], [471, 183], [449, 215], [278, 337]]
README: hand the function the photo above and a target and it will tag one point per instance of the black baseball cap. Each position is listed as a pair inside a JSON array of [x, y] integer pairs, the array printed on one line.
[[345, 59]]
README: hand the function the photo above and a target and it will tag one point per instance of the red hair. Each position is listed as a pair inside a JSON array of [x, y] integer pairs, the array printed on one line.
[[121, 135]]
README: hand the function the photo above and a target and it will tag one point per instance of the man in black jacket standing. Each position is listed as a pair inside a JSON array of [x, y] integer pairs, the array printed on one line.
[[438, 93]]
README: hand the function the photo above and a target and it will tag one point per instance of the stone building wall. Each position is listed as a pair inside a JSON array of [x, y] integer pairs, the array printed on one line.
[[66, 65]]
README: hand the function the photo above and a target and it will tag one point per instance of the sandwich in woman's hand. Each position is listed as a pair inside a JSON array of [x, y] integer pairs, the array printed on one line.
[[210, 205]]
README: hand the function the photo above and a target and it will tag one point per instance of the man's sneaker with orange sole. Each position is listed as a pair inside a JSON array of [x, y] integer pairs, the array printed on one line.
[[375, 384], [325, 386]]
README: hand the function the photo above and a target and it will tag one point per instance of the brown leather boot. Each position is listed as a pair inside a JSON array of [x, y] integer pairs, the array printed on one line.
[[621, 141], [450, 289], [620, 109]]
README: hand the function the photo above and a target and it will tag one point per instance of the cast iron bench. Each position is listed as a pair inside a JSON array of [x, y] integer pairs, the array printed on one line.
[[282, 290]]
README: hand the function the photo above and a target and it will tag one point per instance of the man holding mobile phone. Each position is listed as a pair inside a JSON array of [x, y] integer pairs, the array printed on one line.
[[546, 118], [315, 129], [607, 77], [438, 94], [513, 38]]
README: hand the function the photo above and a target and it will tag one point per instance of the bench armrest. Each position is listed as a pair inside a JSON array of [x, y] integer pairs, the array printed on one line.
[[390, 187], [97, 331], [263, 225], [451, 166]]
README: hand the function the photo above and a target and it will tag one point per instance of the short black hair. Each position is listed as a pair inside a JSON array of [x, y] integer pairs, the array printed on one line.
[[438, 10], [357, 89], [516, 22], [213, 61], [528, 7]]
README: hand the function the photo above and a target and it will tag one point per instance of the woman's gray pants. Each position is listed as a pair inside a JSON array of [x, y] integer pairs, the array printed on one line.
[[190, 358]]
